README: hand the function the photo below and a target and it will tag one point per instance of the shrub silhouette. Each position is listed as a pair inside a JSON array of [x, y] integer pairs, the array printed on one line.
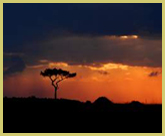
[[59, 75]]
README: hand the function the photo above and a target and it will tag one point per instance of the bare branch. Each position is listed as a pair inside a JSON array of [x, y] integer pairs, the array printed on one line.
[[62, 78], [55, 78], [53, 81]]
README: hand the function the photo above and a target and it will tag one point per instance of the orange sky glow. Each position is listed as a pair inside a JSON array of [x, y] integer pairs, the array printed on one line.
[[119, 83]]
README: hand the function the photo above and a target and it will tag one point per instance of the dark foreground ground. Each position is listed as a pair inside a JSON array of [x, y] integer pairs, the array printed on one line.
[[48, 115]]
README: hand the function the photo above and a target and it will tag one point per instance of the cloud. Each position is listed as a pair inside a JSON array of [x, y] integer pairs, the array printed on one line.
[[44, 61], [81, 19], [154, 74], [36, 66], [87, 50], [15, 64], [103, 72], [98, 52], [84, 34]]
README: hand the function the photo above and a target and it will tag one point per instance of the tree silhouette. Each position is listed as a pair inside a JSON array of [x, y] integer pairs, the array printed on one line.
[[56, 76]]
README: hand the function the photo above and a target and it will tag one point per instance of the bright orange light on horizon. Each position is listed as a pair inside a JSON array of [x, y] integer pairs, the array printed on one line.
[[122, 37], [129, 37], [134, 36]]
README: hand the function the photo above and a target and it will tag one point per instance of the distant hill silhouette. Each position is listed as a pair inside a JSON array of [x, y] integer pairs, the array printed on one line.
[[49, 115], [102, 104], [136, 103], [103, 101]]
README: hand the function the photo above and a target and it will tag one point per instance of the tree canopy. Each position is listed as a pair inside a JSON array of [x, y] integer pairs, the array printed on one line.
[[56, 72]]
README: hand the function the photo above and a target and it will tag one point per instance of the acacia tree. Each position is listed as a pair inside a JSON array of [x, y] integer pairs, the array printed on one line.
[[56, 76]]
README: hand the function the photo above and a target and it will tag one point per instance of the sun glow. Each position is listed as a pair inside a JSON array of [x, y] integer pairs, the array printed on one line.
[[134, 36], [129, 37], [57, 64], [122, 37], [109, 66]]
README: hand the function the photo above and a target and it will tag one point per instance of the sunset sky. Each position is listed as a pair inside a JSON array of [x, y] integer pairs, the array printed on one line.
[[115, 49]]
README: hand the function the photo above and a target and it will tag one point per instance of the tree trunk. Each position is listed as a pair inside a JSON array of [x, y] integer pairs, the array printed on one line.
[[55, 93]]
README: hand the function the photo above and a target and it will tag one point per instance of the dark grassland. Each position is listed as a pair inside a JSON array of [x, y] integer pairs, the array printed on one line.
[[33, 115]]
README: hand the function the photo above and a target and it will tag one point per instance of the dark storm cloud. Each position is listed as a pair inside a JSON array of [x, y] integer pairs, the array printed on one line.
[[154, 73], [23, 23], [85, 50], [75, 33], [12, 64]]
